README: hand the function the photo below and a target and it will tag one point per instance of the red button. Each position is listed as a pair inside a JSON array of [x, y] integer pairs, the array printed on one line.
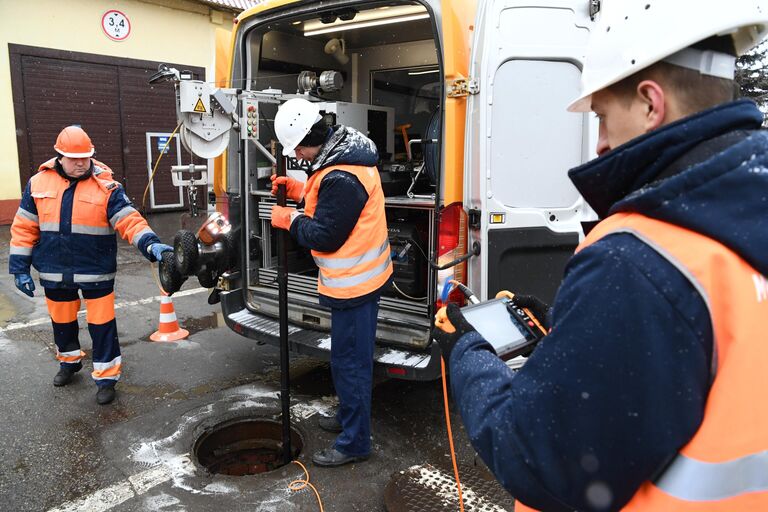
[[530, 324]]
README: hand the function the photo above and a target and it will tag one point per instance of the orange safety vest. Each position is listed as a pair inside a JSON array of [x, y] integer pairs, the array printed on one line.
[[363, 264], [89, 209], [91, 196], [724, 467]]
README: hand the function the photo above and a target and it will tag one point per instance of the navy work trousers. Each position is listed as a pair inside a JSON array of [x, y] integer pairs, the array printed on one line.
[[63, 305], [353, 335]]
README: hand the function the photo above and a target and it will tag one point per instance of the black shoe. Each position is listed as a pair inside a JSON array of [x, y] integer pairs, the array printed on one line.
[[331, 457], [329, 424], [64, 376], [105, 394]]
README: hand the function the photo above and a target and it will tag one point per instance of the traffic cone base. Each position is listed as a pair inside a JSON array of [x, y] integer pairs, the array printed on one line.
[[169, 329]]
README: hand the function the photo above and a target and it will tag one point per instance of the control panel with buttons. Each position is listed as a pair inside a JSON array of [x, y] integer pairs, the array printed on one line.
[[249, 122]]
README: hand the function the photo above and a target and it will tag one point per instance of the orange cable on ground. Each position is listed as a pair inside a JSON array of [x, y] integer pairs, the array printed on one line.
[[298, 485], [450, 435]]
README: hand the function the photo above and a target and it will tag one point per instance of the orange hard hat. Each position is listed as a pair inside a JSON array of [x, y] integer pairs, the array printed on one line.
[[74, 143]]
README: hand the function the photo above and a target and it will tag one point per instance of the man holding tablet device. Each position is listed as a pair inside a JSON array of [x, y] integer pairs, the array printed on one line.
[[648, 392]]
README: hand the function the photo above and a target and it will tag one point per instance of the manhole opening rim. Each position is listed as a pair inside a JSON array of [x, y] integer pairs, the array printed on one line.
[[207, 431]]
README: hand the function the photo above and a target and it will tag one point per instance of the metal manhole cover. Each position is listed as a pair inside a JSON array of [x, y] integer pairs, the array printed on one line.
[[427, 488]]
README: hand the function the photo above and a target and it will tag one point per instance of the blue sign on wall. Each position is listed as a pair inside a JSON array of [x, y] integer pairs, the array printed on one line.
[[161, 142]]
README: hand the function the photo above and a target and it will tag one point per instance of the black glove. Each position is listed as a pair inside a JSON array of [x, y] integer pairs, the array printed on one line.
[[447, 340], [539, 309]]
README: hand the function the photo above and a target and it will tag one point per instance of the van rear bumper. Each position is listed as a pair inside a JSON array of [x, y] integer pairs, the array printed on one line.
[[399, 363]]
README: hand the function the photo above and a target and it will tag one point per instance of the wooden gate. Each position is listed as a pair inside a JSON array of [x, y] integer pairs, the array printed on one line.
[[109, 98]]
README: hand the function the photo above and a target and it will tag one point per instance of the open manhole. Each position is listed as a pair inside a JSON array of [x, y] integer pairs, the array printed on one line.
[[244, 447]]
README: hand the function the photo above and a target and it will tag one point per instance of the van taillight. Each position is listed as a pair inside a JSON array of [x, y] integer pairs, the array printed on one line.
[[451, 244]]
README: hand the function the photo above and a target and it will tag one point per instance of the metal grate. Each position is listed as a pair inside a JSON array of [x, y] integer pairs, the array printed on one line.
[[261, 324], [426, 488]]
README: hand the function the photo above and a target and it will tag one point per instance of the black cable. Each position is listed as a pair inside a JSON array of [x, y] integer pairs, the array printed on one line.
[[419, 248]]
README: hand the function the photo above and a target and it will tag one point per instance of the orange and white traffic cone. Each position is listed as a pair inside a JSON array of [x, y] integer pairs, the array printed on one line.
[[169, 329]]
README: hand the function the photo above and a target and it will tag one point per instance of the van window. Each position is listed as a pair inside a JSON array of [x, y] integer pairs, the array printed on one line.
[[534, 140], [415, 95]]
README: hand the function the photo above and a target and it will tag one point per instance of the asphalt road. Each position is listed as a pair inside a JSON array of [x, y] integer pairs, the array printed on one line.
[[61, 451]]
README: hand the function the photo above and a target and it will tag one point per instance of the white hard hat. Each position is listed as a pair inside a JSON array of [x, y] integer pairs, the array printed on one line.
[[293, 121], [634, 34]]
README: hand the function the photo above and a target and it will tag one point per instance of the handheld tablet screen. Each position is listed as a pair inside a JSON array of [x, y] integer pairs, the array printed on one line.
[[496, 325]]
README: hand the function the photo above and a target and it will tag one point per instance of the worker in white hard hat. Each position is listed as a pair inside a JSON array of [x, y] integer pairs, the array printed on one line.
[[344, 224], [649, 392]]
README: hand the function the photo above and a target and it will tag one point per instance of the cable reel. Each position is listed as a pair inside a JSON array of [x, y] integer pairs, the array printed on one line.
[[206, 116]]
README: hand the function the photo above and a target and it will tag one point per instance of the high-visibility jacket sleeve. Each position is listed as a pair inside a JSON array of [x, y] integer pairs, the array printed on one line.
[[25, 233], [340, 200], [607, 398], [129, 223]]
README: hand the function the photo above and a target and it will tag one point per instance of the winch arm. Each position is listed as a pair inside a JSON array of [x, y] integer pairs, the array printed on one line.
[[207, 114]]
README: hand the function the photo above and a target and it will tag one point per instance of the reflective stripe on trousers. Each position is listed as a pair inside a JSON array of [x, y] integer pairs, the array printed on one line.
[[63, 305]]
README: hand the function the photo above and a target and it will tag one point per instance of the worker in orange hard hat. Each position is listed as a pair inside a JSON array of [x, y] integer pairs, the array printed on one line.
[[73, 142], [65, 227]]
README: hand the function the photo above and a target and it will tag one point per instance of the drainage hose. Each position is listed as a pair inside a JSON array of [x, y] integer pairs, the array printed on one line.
[[299, 484], [282, 287], [471, 298], [450, 435]]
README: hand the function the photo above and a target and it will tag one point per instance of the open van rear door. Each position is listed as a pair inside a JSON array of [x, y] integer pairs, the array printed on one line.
[[521, 142]]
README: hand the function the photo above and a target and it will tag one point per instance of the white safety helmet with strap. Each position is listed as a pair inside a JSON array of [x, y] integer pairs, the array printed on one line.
[[293, 121], [634, 34]]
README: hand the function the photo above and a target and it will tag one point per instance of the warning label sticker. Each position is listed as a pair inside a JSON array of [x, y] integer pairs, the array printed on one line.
[[199, 107]]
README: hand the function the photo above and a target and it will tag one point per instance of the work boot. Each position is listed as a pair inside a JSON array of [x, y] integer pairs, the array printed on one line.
[[329, 424], [105, 394], [64, 376], [331, 457]]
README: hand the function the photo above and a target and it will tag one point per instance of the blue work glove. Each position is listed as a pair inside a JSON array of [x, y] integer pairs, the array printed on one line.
[[25, 284], [157, 250]]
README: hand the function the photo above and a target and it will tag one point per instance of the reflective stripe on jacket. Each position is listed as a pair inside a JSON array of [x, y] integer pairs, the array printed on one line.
[[724, 466], [66, 229], [363, 264]]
